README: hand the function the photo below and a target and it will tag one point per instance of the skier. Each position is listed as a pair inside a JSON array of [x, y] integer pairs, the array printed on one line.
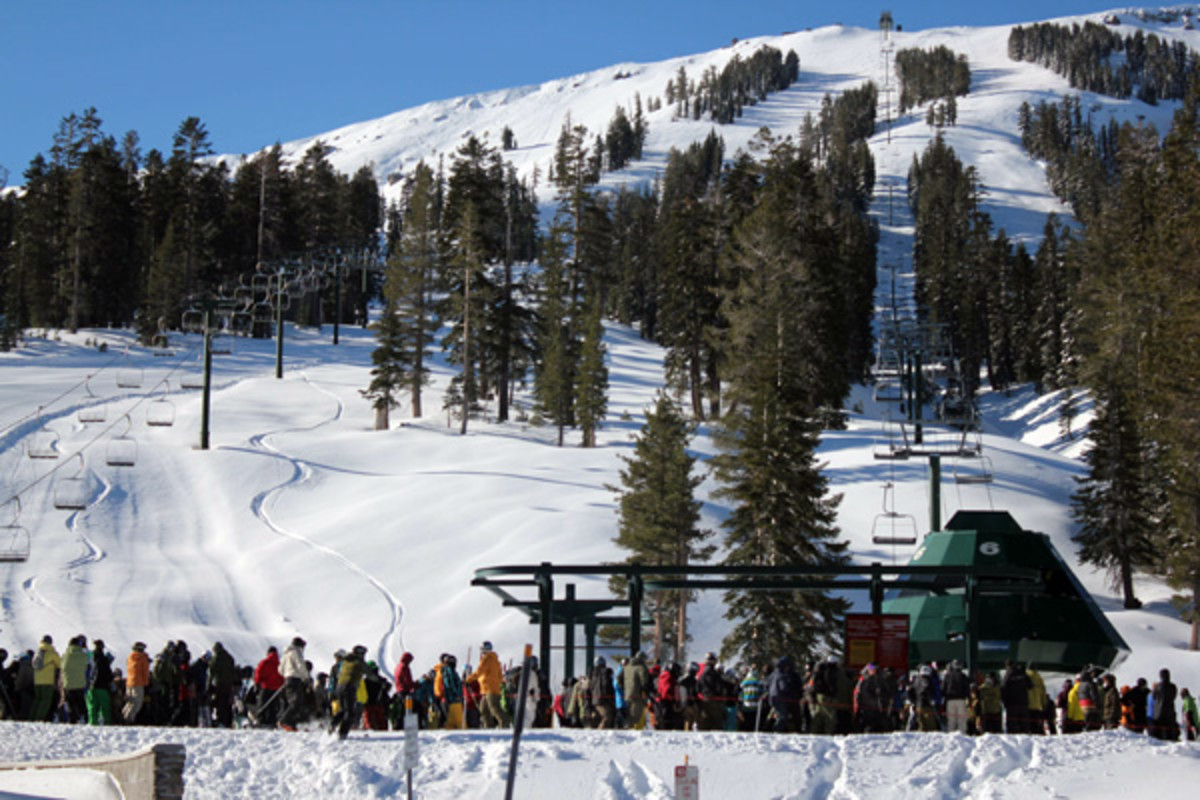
[[222, 679], [1191, 714], [491, 683], [349, 675], [75, 664], [956, 688], [1164, 725], [269, 682], [137, 678], [601, 695], [99, 692], [447, 688], [1014, 692], [783, 695], [636, 679], [294, 672], [46, 664]]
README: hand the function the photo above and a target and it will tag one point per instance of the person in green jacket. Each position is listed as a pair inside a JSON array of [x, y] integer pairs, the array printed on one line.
[[1191, 714], [46, 666], [75, 667], [636, 680]]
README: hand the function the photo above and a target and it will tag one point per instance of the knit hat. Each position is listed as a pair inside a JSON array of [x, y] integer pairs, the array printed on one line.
[[486, 648], [47, 640], [298, 642]]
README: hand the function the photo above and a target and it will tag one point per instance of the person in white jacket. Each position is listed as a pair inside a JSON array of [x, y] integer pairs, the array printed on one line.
[[295, 679]]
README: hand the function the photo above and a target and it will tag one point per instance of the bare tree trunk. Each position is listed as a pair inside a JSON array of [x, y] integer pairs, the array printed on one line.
[[381, 417]]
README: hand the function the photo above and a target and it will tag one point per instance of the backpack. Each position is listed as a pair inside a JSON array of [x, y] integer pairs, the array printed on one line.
[[825, 680], [39, 659]]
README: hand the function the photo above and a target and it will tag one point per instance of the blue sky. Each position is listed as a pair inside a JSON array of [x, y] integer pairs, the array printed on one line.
[[258, 71]]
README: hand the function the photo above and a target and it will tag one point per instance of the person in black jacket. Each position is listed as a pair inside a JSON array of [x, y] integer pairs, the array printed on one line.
[[956, 690], [1014, 693], [601, 695], [8, 705], [99, 691], [783, 695], [1164, 725]]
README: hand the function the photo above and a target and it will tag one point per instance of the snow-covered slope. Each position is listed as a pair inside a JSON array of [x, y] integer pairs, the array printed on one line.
[[303, 520], [832, 59]]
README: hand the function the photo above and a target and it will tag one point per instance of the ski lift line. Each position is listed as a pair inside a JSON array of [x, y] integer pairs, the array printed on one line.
[[54, 400]]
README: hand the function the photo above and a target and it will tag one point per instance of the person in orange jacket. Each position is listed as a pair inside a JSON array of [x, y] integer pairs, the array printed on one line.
[[491, 683], [137, 671]]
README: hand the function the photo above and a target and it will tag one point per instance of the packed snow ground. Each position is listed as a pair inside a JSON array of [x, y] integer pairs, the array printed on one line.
[[300, 519], [623, 765]]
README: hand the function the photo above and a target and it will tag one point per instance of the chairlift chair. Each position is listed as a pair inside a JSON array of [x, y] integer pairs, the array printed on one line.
[[122, 450], [221, 343], [14, 538], [260, 284], [192, 379], [241, 323], [193, 321], [160, 413], [968, 475], [71, 492], [94, 410], [42, 443], [130, 378], [891, 527]]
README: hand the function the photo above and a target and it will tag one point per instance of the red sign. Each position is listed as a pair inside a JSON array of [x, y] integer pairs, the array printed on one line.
[[879, 639]]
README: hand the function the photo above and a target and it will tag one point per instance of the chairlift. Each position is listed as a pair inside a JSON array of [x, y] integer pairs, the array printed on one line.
[[192, 379], [130, 377], [891, 527], [93, 411], [193, 321], [42, 443], [161, 345], [14, 538], [160, 413], [71, 493], [969, 475], [122, 450], [221, 343], [260, 284], [888, 391], [241, 323]]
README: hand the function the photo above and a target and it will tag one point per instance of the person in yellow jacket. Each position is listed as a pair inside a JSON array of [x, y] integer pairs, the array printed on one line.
[[46, 665], [1037, 701], [1075, 716], [491, 684], [447, 688]]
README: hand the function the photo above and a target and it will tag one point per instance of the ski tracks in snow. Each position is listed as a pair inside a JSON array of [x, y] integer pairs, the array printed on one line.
[[302, 471]]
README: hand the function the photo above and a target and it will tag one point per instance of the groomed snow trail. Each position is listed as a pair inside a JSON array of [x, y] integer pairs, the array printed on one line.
[[302, 471]]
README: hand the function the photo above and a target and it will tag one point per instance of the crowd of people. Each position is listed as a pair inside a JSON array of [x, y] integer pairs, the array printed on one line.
[[82, 685]]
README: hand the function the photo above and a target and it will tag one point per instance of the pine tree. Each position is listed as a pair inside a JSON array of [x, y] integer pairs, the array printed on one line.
[[413, 271], [1116, 503], [659, 515], [555, 376], [781, 511], [591, 390], [392, 365]]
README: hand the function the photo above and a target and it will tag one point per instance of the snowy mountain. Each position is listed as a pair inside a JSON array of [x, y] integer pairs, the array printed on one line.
[[302, 520]]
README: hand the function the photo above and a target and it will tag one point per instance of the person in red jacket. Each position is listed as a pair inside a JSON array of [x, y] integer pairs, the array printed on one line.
[[403, 681], [268, 681]]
